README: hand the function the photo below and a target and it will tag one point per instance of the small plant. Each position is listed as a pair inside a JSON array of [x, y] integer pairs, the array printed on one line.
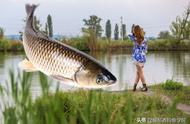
[[172, 85]]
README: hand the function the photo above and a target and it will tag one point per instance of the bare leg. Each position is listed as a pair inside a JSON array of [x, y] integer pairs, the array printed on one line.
[[136, 79], [142, 78]]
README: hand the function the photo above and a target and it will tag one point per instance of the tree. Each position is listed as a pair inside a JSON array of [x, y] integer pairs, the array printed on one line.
[[180, 28], [49, 26], [1, 33], [94, 24], [92, 31], [108, 29], [46, 29], [187, 31], [36, 23], [123, 30], [116, 32], [164, 35]]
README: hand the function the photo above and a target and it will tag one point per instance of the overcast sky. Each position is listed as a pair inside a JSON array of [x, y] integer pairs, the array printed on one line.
[[152, 15]]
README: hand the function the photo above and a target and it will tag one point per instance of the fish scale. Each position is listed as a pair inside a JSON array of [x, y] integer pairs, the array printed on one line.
[[40, 51]]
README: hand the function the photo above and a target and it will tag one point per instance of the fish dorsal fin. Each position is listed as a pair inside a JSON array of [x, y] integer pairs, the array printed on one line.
[[61, 78], [27, 66]]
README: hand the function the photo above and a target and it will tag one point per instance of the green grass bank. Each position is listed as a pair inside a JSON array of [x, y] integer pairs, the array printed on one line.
[[83, 106]]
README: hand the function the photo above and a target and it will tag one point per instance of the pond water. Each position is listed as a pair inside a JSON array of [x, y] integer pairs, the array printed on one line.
[[160, 66]]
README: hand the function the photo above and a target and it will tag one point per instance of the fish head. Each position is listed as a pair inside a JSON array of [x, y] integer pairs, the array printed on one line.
[[95, 76]]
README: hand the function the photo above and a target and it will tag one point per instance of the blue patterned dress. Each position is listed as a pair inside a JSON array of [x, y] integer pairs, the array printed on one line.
[[139, 51]]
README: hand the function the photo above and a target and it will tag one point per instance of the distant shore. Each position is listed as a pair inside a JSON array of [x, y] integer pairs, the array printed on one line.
[[104, 45], [127, 45]]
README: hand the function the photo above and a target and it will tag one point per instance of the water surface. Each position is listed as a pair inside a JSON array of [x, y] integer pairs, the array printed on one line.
[[160, 66]]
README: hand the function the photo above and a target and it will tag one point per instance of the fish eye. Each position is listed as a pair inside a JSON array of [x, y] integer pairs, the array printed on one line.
[[98, 80]]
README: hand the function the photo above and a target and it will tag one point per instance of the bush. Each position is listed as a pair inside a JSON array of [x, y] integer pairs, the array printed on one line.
[[78, 43], [4, 44], [168, 44], [10, 45], [103, 44], [172, 85], [16, 46]]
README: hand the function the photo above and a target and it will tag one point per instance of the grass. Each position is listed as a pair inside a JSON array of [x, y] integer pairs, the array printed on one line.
[[105, 45], [78, 107], [175, 90], [102, 45]]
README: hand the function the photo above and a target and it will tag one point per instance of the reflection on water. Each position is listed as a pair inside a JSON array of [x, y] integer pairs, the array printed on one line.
[[159, 67]]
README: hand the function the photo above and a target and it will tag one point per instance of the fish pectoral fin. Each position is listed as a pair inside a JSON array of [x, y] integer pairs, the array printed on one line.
[[65, 80], [27, 66], [61, 78]]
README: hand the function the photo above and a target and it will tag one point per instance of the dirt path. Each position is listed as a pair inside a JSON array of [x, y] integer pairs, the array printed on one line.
[[180, 106], [183, 107]]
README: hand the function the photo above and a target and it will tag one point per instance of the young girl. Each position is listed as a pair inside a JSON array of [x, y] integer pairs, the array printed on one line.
[[139, 54]]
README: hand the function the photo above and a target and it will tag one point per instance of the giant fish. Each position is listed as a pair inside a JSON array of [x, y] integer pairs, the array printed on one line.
[[61, 61]]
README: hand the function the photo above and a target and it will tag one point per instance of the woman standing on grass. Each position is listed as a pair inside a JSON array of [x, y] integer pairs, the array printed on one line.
[[139, 54]]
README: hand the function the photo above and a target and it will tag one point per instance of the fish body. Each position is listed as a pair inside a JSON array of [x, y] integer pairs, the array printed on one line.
[[61, 61]]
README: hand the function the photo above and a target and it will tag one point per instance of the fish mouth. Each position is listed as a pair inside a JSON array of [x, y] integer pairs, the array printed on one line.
[[111, 78], [107, 83], [112, 82]]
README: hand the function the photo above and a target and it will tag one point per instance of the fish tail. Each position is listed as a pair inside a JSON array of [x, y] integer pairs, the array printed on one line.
[[30, 9]]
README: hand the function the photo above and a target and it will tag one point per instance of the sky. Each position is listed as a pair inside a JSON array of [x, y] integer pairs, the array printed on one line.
[[153, 15]]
